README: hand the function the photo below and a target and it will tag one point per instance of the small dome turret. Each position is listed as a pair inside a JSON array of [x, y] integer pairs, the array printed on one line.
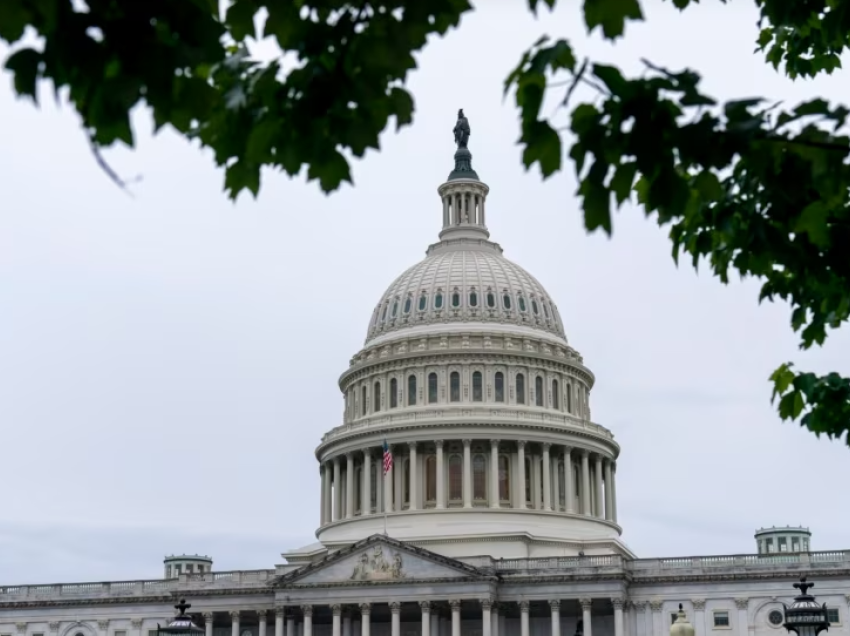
[[681, 626], [175, 565]]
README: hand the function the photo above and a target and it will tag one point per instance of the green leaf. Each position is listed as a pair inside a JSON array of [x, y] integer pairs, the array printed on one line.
[[25, 64], [622, 181], [708, 185], [813, 222], [331, 173], [240, 19], [611, 15], [542, 146], [611, 77], [14, 18], [242, 175]]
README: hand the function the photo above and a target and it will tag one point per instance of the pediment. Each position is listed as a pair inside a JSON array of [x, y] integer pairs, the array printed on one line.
[[379, 559]]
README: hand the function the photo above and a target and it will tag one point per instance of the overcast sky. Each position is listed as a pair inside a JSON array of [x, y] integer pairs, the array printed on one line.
[[168, 363]]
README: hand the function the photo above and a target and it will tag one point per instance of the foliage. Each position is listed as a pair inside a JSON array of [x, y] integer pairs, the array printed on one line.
[[746, 186]]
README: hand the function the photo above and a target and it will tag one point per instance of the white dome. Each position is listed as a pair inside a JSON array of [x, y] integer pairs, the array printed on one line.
[[465, 280]]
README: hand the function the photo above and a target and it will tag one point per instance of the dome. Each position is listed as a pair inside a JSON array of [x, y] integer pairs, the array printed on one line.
[[465, 281]]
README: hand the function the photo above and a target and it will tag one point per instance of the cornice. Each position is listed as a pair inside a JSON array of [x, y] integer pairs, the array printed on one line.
[[140, 600], [736, 576]]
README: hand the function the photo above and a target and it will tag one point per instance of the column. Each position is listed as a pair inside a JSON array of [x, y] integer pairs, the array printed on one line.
[[346, 624], [569, 487], [414, 467], [494, 618], [278, 621], [600, 498], [323, 507], [585, 482], [366, 489], [521, 472], [523, 618], [547, 478], [486, 621], [337, 486], [349, 485], [743, 626], [555, 606], [395, 619], [365, 619], [308, 619], [455, 605], [136, 624], [426, 617], [494, 473], [658, 627], [234, 622], [208, 624], [609, 500], [262, 618], [647, 618], [614, 492], [441, 489], [467, 473], [290, 625], [619, 625], [585, 616], [699, 616], [337, 624]]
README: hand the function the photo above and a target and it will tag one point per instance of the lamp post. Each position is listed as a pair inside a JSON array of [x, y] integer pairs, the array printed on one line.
[[805, 617], [182, 625]]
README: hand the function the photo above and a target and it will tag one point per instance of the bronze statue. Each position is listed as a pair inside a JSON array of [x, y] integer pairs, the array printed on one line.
[[461, 130]]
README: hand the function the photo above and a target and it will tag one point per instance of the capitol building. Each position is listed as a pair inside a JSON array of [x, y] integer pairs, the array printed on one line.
[[465, 490]]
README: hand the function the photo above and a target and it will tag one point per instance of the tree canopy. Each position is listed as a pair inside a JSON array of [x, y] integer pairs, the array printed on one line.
[[745, 186]]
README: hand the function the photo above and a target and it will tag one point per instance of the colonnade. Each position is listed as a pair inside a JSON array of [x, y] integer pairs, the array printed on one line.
[[469, 473]]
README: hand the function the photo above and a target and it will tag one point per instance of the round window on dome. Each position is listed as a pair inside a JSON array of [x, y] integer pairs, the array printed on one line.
[[456, 299], [775, 617], [473, 299], [438, 300], [423, 302]]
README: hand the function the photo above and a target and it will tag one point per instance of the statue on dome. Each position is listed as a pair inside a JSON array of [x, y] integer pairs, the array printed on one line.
[[461, 129]]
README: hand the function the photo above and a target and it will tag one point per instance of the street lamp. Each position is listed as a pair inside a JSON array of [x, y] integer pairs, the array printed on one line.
[[182, 625], [805, 617]]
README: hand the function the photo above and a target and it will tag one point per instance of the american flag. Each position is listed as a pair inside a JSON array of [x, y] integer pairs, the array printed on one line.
[[388, 458]]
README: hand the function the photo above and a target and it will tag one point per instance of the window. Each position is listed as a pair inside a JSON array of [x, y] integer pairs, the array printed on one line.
[[373, 490], [405, 481], [363, 401], [358, 484], [721, 618], [783, 546], [393, 393], [504, 478], [395, 309], [151, 632], [499, 382], [477, 390], [376, 397], [556, 395], [438, 300], [562, 495], [423, 302], [534, 307], [455, 478], [528, 480], [506, 301], [569, 398], [178, 568], [538, 390], [479, 478], [832, 615], [411, 390], [407, 302], [520, 388], [454, 387], [491, 299], [545, 309], [117, 632], [431, 478], [455, 298], [775, 617], [521, 302], [189, 568], [432, 388], [473, 299], [384, 313]]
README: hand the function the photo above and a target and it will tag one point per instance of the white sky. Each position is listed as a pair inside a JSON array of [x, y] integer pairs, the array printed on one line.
[[168, 363]]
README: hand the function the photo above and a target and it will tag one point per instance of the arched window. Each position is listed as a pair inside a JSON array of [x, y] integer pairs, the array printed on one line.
[[520, 388], [491, 299], [364, 400], [569, 398], [454, 387], [477, 389], [431, 478], [393, 393], [376, 398], [528, 480], [473, 298], [423, 301], [455, 478], [411, 390], [504, 478], [556, 395], [521, 302], [455, 298], [506, 301], [438, 300], [479, 477], [499, 385], [432, 388], [407, 303], [538, 390]]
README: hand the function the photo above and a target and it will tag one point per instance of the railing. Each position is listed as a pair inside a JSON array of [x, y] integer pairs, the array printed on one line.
[[248, 579]]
